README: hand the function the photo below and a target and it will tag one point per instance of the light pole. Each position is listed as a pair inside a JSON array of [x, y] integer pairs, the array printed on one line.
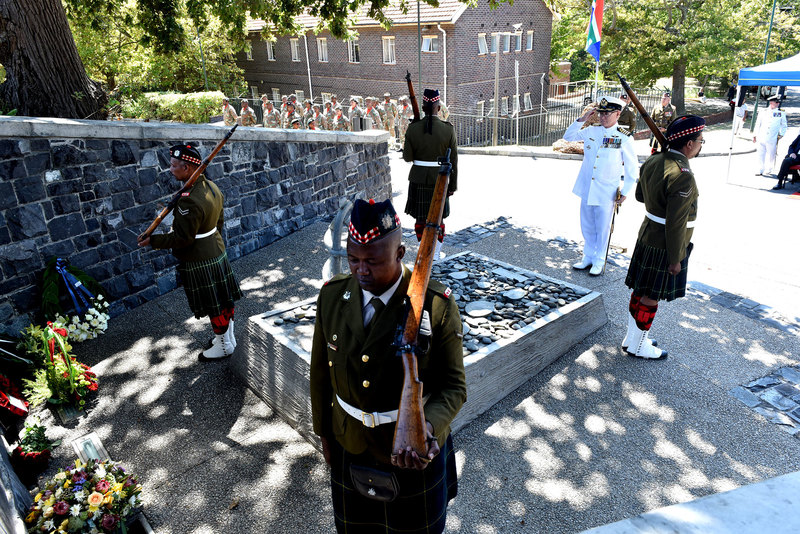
[[517, 30]]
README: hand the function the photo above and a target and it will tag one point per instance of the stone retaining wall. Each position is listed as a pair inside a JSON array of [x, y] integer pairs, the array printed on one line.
[[85, 189]]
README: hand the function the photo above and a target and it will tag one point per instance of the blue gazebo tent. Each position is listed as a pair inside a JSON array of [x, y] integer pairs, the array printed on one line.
[[783, 72]]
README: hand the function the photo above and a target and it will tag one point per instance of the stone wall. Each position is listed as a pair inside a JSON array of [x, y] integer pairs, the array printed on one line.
[[85, 189]]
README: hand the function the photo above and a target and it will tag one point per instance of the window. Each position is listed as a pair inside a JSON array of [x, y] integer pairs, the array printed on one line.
[[518, 42], [295, 44], [276, 95], [493, 49], [353, 55], [529, 46], [480, 108], [504, 106], [248, 51], [515, 110], [300, 96], [490, 113], [326, 97], [481, 44], [528, 104], [506, 43], [388, 51], [322, 49], [254, 92], [430, 43], [270, 51]]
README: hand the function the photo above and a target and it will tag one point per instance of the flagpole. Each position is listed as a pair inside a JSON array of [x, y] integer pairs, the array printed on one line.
[[596, 77]]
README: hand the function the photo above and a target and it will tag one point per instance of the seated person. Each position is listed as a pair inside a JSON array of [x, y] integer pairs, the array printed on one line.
[[790, 160]]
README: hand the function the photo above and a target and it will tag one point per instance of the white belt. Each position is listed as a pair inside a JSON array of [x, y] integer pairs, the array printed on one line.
[[206, 234], [421, 163], [371, 420], [662, 220]]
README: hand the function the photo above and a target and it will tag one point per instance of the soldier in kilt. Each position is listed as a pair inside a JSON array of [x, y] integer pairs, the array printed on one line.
[[425, 142], [658, 267], [356, 384], [196, 241]]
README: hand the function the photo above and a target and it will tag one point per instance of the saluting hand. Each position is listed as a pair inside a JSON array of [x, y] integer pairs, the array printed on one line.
[[408, 459]]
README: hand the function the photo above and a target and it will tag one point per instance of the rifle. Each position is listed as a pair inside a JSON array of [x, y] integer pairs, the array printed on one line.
[[412, 97], [186, 186], [411, 429], [662, 141]]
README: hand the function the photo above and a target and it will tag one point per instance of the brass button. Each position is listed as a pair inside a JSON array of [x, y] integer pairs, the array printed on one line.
[[365, 383], [334, 337], [365, 358], [331, 405], [330, 363]]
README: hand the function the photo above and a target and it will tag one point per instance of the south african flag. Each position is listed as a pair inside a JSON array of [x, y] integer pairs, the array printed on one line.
[[595, 31]]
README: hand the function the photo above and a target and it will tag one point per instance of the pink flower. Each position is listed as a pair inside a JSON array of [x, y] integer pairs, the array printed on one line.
[[61, 508], [109, 522], [79, 476], [102, 486]]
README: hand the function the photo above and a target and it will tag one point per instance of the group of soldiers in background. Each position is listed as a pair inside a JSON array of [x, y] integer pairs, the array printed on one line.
[[361, 114]]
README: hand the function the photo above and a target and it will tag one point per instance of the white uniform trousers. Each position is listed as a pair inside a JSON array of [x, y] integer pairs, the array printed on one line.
[[766, 151], [595, 225]]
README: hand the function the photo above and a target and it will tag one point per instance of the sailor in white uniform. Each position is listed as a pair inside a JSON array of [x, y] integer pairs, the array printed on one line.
[[609, 165], [770, 127]]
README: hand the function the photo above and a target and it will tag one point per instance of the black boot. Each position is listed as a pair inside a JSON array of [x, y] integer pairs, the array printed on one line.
[[779, 186]]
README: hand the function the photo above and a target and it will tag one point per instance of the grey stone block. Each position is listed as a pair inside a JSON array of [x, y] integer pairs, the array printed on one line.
[[791, 374], [745, 396], [26, 221]]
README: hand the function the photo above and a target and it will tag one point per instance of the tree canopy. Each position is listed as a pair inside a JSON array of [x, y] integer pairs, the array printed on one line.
[[649, 39]]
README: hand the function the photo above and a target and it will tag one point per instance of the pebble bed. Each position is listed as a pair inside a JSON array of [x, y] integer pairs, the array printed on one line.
[[495, 301]]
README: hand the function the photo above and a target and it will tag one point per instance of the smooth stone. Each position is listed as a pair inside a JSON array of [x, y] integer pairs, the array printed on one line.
[[480, 308], [459, 275], [486, 340], [278, 321], [483, 285]]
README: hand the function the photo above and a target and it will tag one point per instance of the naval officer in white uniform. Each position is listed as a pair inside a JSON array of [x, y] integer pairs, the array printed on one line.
[[770, 127], [609, 165]]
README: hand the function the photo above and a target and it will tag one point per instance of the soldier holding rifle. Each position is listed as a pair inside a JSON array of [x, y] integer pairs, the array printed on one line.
[[357, 378], [196, 241], [658, 266], [425, 141]]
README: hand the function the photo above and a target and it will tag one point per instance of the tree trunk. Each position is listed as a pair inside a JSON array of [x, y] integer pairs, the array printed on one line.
[[44, 73], [679, 85]]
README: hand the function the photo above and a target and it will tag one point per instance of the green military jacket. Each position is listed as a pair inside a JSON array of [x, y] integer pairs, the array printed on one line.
[[668, 190], [198, 211], [627, 119], [365, 371], [421, 146]]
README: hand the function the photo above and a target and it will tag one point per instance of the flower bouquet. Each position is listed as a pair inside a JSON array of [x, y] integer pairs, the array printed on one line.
[[61, 379], [90, 498], [93, 323], [32, 453]]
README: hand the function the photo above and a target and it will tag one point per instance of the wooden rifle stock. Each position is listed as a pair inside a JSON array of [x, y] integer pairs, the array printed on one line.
[[412, 97], [659, 135], [411, 429], [186, 186]]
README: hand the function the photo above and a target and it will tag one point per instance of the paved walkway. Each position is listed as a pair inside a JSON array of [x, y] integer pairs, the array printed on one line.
[[597, 437]]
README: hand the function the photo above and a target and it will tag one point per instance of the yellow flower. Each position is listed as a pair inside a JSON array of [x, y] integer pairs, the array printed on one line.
[[50, 500], [116, 488], [31, 517], [108, 499], [64, 524], [93, 509], [95, 499], [37, 498], [78, 463]]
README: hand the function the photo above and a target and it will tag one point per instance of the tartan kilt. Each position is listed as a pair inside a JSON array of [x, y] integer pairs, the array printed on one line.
[[210, 285], [419, 201], [648, 275], [420, 507]]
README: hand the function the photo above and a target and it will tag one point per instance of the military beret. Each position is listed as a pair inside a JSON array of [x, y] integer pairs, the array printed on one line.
[[686, 125], [430, 95], [610, 103], [295, 121], [186, 153], [372, 220]]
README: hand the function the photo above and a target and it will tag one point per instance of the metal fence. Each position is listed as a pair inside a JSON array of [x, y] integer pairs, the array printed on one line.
[[544, 127]]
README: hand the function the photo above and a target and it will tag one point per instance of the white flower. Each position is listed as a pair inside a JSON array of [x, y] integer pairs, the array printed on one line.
[[95, 322], [75, 510], [99, 297], [132, 500], [49, 525], [100, 471], [85, 326], [76, 319], [83, 337], [59, 491]]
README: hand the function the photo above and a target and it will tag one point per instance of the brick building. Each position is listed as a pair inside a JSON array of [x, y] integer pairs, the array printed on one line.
[[377, 60]]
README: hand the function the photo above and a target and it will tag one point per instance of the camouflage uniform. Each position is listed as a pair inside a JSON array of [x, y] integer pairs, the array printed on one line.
[[444, 113], [390, 112], [272, 119], [229, 114], [372, 113], [248, 117], [320, 120], [662, 116], [341, 123]]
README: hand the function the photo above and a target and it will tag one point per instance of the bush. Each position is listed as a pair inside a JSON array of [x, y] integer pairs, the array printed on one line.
[[192, 108]]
